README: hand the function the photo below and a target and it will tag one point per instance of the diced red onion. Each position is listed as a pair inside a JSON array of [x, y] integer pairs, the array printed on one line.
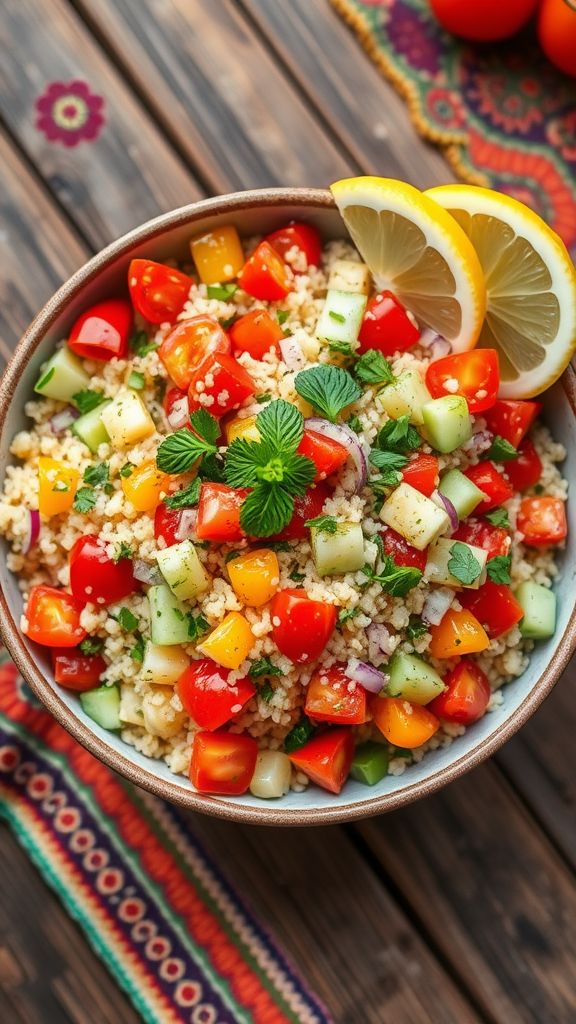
[[369, 677], [379, 639], [443, 502], [60, 421], [436, 605], [292, 354], [32, 530], [345, 436], [187, 525], [436, 344], [179, 413], [479, 442], [144, 572]]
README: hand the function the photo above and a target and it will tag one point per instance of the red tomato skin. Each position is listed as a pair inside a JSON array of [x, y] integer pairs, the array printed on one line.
[[328, 698], [386, 326], [477, 373], [103, 330], [327, 455], [422, 473], [76, 671], [304, 236], [219, 513], [220, 748], [256, 333], [307, 507], [166, 524], [512, 419], [492, 483], [402, 552], [188, 343], [494, 605], [326, 758], [467, 695], [557, 33], [95, 577], [208, 698], [494, 539], [228, 377], [542, 521], [305, 626], [526, 470], [265, 276], [159, 293], [53, 618], [483, 20]]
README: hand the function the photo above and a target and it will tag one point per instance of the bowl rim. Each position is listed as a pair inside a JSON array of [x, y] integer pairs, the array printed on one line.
[[268, 813]]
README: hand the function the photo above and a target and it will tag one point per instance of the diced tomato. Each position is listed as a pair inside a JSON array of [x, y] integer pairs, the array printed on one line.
[[208, 697], [466, 696], [492, 483], [265, 276], [224, 380], [158, 292], [103, 330], [512, 419], [175, 405], [76, 671], [302, 236], [326, 758], [53, 618], [526, 470], [542, 521], [476, 372], [327, 455], [481, 534], [222, 762], [301, 627], [219, 513], [167, 524], [422, 473], [188, 343], [402, 552], [307, 507], [387, 326], [329, 699], [494, 605], [96, 577], [256, 333], [404, 724]]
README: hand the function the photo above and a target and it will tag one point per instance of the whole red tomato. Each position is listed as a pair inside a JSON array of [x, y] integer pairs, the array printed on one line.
[[483, 20], [557, 33]]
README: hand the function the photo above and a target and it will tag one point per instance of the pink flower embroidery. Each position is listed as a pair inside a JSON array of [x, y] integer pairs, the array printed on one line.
[[69, 113]]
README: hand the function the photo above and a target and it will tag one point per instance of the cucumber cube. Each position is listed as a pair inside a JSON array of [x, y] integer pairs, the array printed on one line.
[[62, 376], [183, 570], [439, 555], [370, 763], [414, 516], [90, 429], [406, 397], [163, 666], [349, 276], [412, 679], [168, 622], [539, 605], [463, 494], [127, 419], [341, 317], [130, 710], [103, 706], [338, 552], [447, 423]]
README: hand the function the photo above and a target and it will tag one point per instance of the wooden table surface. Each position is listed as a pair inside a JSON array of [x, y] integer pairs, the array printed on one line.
[[461, 908]]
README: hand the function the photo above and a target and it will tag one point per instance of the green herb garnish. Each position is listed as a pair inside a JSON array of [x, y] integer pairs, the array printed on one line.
[[416, 628], [136, 380], [498, 517], [343, 348], [127, 620], [141, 345], [498, 568], [97, 475], [84, 500], [282, 316], [137, 652], [298, 736], [373, 368], [397, 580], [324, 524], [328, 388], [266, 397], [345, 614], [197, 626], [501, 450], [223, 292], [463, 564], [355, 424], [387, 461], [127, 469], [399, 436], [266, 691], [263, 667], [87, 400], [123, 551], [187, 497], [179, 451], [91, 645], [297, 577]]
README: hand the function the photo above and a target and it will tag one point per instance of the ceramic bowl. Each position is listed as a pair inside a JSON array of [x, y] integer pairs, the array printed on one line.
[[167, 236]]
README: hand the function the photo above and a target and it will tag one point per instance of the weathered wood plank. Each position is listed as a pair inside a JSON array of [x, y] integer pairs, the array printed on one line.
[[130, 173]]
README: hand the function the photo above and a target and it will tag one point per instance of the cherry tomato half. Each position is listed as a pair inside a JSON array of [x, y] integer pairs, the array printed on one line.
[[402, 552], [512, 419], [483, 19], [476, 374], [53, 618], [301, 627], [224, 380], [466, 696], [480, 534], [542, 521], [76, 671], [492, 483], [300, 236], [326, 758], [387, 326], [526, 470], [222, 762], [265, 276], [219, 513], [256, 333], [103, 330], [208, 697], [307, 507], [96, 577], [327, 455], [557, 33], [187, 344], [422, 473], [159, 293], [494, 605], [330, 699]]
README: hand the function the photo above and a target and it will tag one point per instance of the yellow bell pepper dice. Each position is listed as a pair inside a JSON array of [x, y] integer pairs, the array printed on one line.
[[230, 643], [242, 427], [458, 633], [144, 486], [57, 485], [218, 255], [255, 576]]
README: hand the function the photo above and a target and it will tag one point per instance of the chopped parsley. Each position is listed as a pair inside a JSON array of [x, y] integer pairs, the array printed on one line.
[[498, 517], [386, 461], [179, 451], [463, 564], [227, 321], [266, 397], [266, 691], [91, 645], [185, 498], [325, 524], [416, 628], [374, 368], [399, 436], [397, 580], [346, 614], [127, 470], [498, 568], [136, 380], [127, 620], [278, 545], [263, 667], [282, 316], [197, 626], [141, 345], [296, 576], [299, 735], [355, 424], [235, 553], [97, 475], [84, 500], [86, 401], [343, 348], [328, 388], [223, 292], [123, 551], [501, 450], [137, 652]]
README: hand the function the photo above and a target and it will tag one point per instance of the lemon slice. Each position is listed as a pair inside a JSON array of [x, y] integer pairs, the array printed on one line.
[[418, 252], [530, 283]]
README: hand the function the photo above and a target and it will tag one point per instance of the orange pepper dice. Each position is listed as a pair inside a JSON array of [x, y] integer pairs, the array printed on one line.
[[458, 633], [255, 576], [57, 485], [404, 724], [230, 643], [144, 486], [218, 255]]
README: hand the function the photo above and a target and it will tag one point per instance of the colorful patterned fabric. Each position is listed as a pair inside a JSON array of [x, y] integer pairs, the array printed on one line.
[[504, 116], [168, 925]]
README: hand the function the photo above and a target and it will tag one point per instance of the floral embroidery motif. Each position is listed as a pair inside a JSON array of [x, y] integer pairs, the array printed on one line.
[[67, 112]]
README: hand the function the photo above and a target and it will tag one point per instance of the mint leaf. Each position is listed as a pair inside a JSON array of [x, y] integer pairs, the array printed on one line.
[[186, 498], [325, 524], [399, 436], [127, 620], [205, 426], [281, 425], [328, 388], [463, 564], [179, 451], [387, 460], [266, 510], [136, 380], [397, 580], [374, 368], [498, 517], [498, 568], [501, 450], [87, 400]]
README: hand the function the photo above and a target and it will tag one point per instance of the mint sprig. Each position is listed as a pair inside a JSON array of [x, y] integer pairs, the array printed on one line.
[[328, 388]]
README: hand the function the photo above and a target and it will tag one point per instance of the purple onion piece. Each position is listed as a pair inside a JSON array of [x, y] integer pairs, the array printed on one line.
[[179, 413], [187, 525], [32, 530], [443, 502], [292, 354], [368, 676], [379, 636], [436, 605], [479, 442], [436, 344], [344, 435], [60, 421], [144, 572]]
